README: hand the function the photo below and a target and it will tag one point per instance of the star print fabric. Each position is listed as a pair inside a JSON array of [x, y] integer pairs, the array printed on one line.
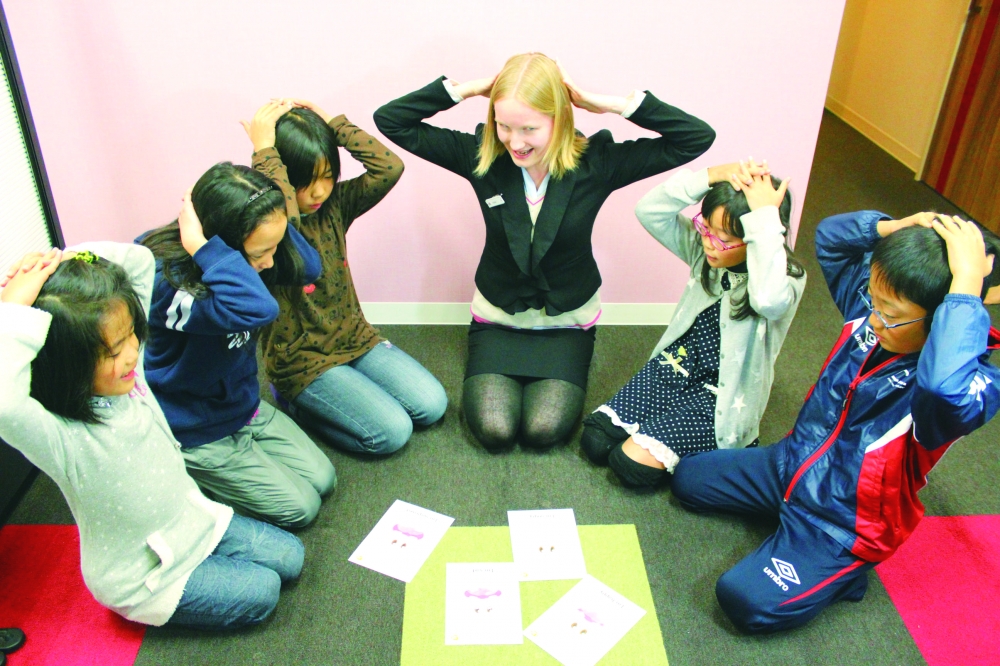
[[672, 399]]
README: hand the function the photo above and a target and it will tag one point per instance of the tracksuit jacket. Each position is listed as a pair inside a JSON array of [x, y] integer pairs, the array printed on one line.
[[862, 445]]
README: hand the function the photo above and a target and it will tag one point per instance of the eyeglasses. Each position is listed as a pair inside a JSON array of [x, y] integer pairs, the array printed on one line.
[[717, 243], [863, 293]]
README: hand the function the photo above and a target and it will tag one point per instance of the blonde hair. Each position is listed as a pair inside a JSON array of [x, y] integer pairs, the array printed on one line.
[[534, 79]]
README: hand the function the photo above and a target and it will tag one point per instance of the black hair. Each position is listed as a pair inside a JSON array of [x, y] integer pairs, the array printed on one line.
[[303, 139], [79, 296], [734, 205], [913, 264], [224, 200]]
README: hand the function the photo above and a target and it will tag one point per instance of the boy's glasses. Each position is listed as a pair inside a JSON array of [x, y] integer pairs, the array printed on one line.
[[717, 243], [863, 293]]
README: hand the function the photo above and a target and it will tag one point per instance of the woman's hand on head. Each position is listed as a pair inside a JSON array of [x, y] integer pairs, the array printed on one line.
[[755, 182], [474, 88], [886, 227], [593, 102], [25, 278], [966, 253], [192, 234], [261, 128]]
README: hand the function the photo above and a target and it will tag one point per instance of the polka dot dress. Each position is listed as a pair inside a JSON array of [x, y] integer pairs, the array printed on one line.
[[673, 397]]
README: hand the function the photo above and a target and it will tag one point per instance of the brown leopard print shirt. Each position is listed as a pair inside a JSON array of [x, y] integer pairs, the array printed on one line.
[[321, 325]]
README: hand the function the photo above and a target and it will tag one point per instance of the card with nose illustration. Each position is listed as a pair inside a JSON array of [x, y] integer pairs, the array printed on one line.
[[546, 544], [402, 540], [589, 620], [482, 604]]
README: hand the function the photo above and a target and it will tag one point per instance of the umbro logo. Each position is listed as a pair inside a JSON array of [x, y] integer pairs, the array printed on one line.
[[899, 379], [785, 572], [867, 342], [978, 385]]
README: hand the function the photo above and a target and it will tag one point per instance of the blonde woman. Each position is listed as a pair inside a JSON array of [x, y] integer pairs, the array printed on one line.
[[540, 185]]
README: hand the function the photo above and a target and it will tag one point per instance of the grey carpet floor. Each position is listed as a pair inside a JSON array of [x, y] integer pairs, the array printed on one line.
[[339, 613]]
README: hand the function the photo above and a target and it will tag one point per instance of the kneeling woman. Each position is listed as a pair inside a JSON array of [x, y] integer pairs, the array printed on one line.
[[540, 186]]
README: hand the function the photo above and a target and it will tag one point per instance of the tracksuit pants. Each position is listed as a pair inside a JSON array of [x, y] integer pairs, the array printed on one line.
[[798, 571]]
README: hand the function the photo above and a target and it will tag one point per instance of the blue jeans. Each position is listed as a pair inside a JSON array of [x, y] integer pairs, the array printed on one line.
[[370, 404], [238, 584]]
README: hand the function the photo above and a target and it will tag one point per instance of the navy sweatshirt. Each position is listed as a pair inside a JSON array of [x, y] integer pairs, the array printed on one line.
[[201, 359]]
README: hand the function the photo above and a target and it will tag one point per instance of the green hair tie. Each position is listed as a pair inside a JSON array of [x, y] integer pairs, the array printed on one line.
[[86, 256]]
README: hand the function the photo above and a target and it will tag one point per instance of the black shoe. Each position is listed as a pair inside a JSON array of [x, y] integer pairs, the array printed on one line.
[[10, 640], [600, 437]]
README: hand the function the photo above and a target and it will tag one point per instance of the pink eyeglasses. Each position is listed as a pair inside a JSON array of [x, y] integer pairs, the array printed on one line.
[[717, 243]]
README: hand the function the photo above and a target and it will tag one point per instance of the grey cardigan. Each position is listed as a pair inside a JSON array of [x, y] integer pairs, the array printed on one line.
[[749, 347], [144, 525]]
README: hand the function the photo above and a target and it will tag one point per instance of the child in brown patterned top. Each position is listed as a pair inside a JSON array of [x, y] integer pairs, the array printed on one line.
[[337, 374]]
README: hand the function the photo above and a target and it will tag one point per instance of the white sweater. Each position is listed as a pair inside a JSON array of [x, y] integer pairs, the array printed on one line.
[[144, 525], [748, 347]]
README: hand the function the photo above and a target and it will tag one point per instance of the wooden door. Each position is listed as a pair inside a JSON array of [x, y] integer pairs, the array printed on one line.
[[964, 159]]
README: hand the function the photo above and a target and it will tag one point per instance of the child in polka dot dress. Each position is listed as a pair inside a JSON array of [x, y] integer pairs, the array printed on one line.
[[707, 382]]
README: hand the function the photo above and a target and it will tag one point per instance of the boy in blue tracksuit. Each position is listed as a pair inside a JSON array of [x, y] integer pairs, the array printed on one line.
[[909, 375]]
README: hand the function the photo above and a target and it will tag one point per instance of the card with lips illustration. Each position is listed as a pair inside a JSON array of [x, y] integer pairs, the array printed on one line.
[[589, 620], [402, 540], [546, 544], [482, 604]]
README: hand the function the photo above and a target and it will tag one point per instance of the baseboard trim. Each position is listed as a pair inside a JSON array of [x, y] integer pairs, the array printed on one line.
[[877, 136], [614, 314]]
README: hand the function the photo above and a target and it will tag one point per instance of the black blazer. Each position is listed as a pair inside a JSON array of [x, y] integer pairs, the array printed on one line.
[[556, 270]]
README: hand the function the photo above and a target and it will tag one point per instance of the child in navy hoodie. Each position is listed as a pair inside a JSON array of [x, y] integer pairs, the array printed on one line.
[[215, 265]]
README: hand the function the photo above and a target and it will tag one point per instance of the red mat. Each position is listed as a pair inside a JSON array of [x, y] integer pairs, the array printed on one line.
[[42, 592], [945, 583]]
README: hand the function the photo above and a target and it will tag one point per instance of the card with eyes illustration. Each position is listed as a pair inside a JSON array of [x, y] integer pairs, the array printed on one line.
[[402, 540], [482, 604], [546, 545], [589, 620]]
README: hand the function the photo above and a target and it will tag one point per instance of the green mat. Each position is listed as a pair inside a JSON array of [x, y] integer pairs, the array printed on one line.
[[613, 557]]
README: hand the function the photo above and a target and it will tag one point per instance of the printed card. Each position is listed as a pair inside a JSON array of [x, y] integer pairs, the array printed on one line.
[[546, 545], [482, 604], [402, 540], [589, 620]]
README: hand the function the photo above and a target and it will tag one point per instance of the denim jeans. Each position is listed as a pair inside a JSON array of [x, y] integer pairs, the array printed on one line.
[[370, 404], [238, 584]]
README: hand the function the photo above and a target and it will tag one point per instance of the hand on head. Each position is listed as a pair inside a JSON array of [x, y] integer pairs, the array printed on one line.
[[966, 252], [886, 227], [305, 104], [192, 233], [475, 87], [25, 278], [755, 182], [261, 128], [593, 102]]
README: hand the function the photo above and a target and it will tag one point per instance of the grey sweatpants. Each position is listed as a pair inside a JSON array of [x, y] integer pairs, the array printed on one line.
[[269, 469]]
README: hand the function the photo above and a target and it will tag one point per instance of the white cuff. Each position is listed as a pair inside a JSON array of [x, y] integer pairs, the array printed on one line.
[[449, 85], [637, 96]]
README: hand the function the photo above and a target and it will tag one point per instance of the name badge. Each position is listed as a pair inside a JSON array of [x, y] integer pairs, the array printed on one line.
[[493, 202]]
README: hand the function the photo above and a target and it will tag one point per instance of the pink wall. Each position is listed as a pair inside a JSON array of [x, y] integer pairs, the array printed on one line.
[[133, 101]]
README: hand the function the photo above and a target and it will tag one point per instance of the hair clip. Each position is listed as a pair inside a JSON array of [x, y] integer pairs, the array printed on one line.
[[257, 194], [86, 256]]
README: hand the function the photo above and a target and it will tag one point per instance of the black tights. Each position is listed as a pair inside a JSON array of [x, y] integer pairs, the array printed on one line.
[[538, 412]]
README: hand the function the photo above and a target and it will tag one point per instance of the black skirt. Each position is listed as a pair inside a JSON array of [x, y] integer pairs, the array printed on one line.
[[555, 353]]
